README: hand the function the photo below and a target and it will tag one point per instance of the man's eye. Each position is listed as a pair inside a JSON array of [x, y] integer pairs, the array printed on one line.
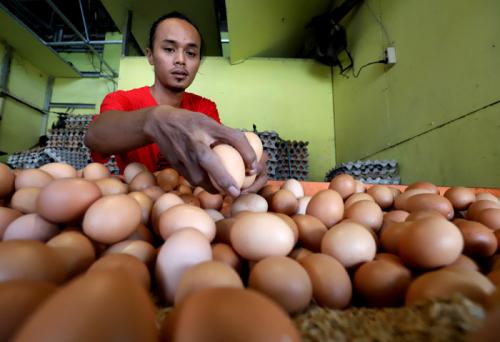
[[168, 49], [191, 54]]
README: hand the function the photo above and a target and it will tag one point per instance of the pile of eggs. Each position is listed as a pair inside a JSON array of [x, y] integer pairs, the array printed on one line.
[[90, 255]]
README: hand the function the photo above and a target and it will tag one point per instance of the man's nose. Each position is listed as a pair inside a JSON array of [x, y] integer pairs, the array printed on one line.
[[180, 58]]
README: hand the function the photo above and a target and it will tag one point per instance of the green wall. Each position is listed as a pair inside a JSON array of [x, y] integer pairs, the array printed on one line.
[[20, 126], [447, 70], [290, 96]]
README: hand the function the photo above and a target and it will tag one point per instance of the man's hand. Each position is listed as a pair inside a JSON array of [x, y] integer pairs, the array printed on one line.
[[261, 179], [185, 139]]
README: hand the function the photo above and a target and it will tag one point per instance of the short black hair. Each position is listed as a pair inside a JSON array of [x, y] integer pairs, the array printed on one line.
[[175, 15]]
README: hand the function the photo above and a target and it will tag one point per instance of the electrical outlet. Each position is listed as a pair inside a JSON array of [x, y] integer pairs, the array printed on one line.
[[390, 55]]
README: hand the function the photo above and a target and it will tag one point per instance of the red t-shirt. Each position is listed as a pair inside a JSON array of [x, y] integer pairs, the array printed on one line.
[[141, 98]]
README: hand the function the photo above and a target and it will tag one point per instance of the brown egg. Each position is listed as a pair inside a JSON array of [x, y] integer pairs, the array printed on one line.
[[389, 258], [284, 201], [367, 213], [389, 238], [360, 187], [7, 215], [208, 274], [59, 170], [311, 231], [464, 261], [231, 160], [154, 192], [344, 185], [132, 170], [299, 253], [66, 200], [357, 197], [104, 306], [294, 186], [350, 243], [95, 171], [123, 262], [185, 215], [30, 260], [284, 280], [112, 218], [476, 207], [249, 202], [75, 249], [146, 204], [382, 195], [210, 201], [224, 253], [331, 283], [24, 200], [430, 243], [111, 186], [382, 283], [6, 180], [326, 205], [303, 203], [444, 283], [494, 277], [32, 178], [184, 249], [486, 196], [291, 223], [215, 314], [268, 190], [142, 180], [423, 185], [423, 214], [430, 202], [400, 200], [490, 218], [167, 179], [479, 240], [184, 189], [18, 300], [223, 230], [395, 191], [142, 250], [30, 227], [396, 216], [141, 233], [161, 204], [460, 197], [256, 236]]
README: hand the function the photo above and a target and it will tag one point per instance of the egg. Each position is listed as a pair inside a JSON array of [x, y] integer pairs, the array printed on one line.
[[184, 249], [425, 186], [225, 253], [479, 240], [464, 261], [255, 236], [30, 260], [105, 306], [396, 216], [216, 314], [249, 202], [154, 192], [382, 195], [18, 300], [460, 197], [494, 277], [303, 203], [214, 214], [132, 170], [142, 250], [129, 264], [95, 171], [430, 243], [390, 235], [6, 180], [111, 186], [167, 179], [66, 200], [75, 250], [141, 233], [162, 204], [7, 215], [486, 196], [328, 206], [32, 178], [344, 185], [360, 186], [490, 218], [422, 214], [299, 253], [185, 215], [389, 258], [367, 213], [223, 230], [350, 243], [142, 180], [357, 197], [24, 200], [231, 160], [382, 283], [268, 190], [294, 187], [210, 201], [146, 204], [256, 144], [400, 200], [284, 280], [112, 218], [208, 274], [284, 201], [331, 284], [59, 170], [476, 207], [30, 227], [183, 189], [444, 283], [311, 231], [430, 202], [291, 223]]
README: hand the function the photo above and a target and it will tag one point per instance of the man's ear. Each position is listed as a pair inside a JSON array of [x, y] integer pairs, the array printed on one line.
[[149, 54]]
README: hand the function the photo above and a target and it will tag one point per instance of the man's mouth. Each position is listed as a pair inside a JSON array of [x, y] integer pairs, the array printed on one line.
[[179, 74]]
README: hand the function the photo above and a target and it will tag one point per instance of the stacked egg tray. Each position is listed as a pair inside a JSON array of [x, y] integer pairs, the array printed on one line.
[[64, 144], [369, 171], [287, 159]]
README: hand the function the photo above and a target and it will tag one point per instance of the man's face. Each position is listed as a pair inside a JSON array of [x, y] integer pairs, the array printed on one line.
[[176, 53]]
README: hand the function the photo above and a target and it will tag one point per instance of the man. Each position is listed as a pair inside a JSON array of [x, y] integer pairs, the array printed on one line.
[[143, 124]]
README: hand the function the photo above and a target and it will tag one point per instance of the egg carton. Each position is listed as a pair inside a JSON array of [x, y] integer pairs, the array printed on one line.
[[369, 171]]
